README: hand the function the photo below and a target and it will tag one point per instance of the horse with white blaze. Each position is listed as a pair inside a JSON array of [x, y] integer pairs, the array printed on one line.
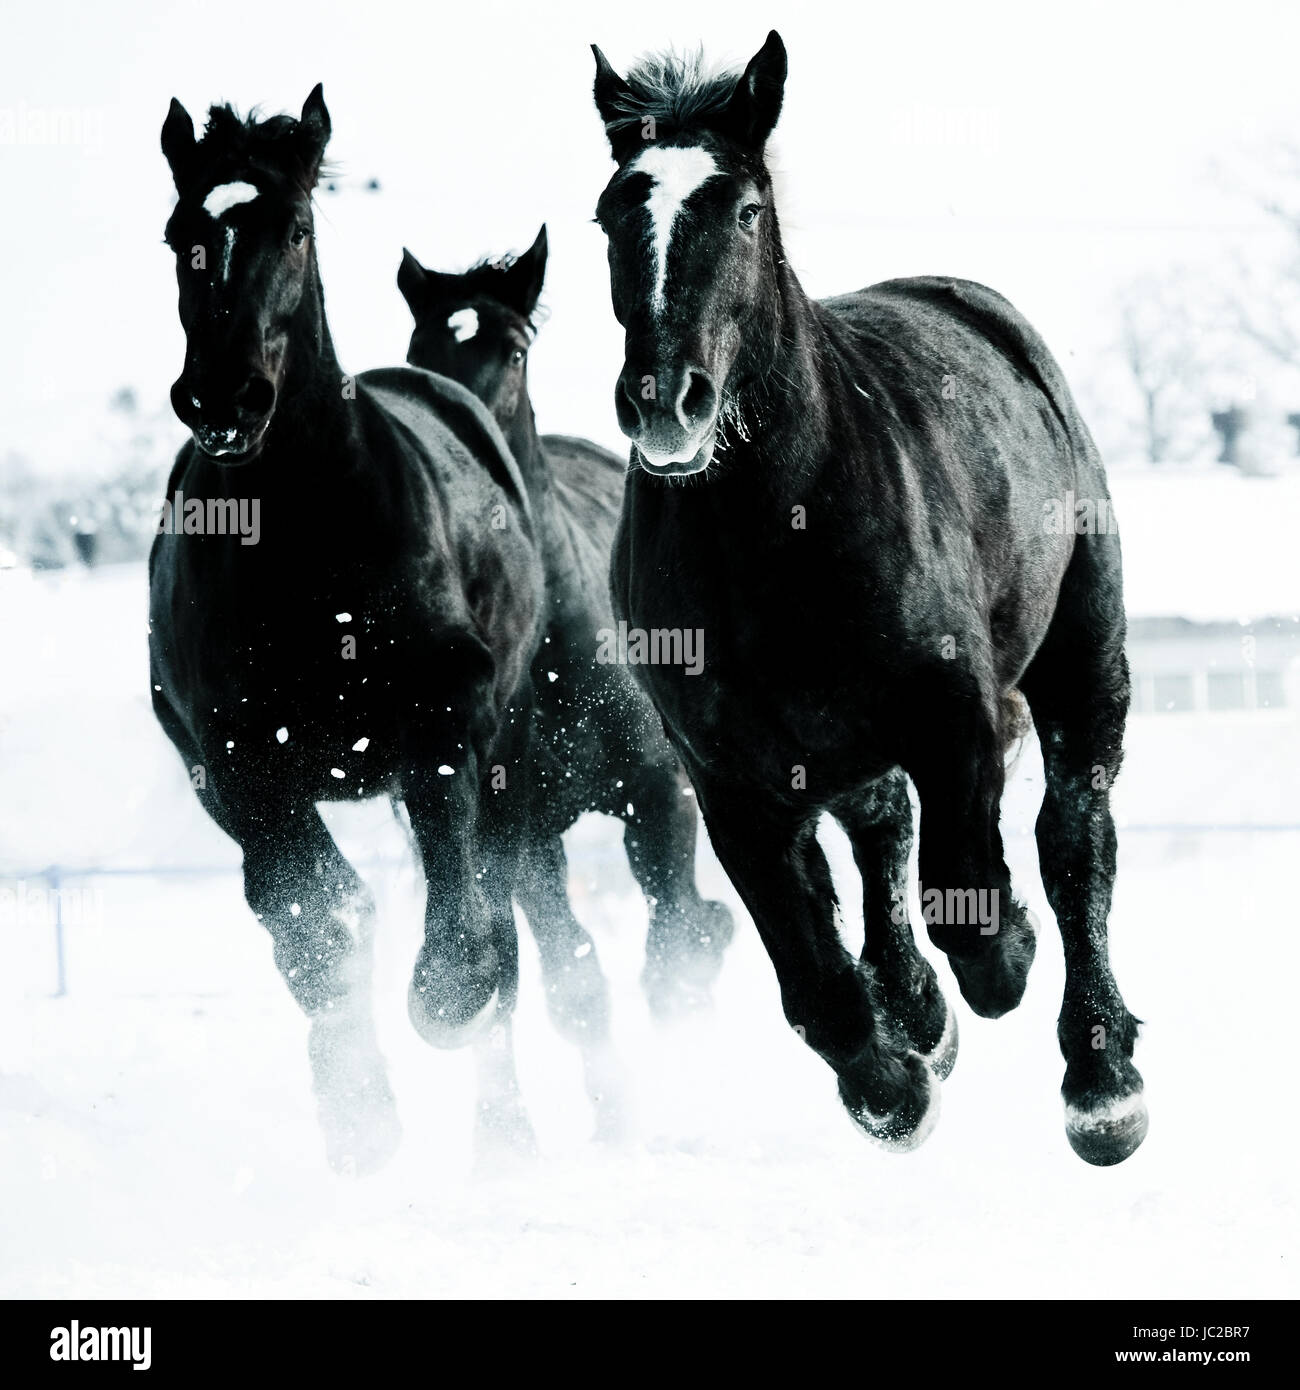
[[848, 497]]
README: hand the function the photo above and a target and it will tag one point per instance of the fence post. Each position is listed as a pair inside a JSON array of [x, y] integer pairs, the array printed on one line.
[[56, 887]]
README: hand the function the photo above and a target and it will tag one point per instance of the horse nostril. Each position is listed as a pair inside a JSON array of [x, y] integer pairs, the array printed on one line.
[[256, 397], [627, 408], [698, 401]]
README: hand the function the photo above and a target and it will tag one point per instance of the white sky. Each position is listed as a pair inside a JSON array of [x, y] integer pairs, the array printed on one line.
[[1050, 151]]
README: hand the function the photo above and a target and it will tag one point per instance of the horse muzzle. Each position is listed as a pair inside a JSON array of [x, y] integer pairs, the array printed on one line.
[[672, 419], [230, 445], [679, 464], [229, 432]]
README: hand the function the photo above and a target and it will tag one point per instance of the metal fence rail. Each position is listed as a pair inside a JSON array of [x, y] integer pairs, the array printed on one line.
[[55, 875]]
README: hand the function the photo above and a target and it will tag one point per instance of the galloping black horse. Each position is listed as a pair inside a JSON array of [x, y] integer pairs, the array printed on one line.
[[375, 636], [605, 743], [859, 501]]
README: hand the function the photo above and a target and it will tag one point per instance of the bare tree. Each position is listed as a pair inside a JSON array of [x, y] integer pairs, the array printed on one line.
[[1160, 342]]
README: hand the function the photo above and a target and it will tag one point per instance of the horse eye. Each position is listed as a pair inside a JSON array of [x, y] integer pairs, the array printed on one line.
[[299, 237], [516, 357], [749, 214]]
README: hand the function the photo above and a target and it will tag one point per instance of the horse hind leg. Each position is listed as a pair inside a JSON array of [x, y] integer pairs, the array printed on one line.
[[317, 911], [878, 823], [970, 910], [688, 933], [1078, 691]]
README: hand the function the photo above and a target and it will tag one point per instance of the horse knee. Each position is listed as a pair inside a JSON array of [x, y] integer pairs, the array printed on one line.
[[313, 934]]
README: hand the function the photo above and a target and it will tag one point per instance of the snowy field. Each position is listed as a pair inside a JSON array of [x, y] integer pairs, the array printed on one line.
[[157, 1129]]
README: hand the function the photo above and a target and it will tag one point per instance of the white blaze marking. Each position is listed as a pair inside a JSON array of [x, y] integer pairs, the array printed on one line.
[[226, 196], [464, 324], [677, 173], [227, 251], [219, 202]]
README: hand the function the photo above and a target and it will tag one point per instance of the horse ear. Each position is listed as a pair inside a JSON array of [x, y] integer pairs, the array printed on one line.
[[314, 130], [756, 103], [523, 279], [412, 280], [177, 138], [612, 98]]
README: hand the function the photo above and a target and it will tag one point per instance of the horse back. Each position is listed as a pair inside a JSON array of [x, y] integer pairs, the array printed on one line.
[[589, 482], [942, 308], [431, 405]]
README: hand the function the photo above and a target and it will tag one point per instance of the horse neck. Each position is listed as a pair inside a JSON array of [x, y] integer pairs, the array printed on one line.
[[314, 413], [526, 445], [786, 412]]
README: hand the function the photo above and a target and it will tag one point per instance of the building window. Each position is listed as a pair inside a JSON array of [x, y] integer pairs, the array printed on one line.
[[1227, 690], [1270, 690]]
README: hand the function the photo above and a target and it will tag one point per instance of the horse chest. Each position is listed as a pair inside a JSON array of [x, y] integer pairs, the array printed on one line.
[[251, 646], [783, 674]]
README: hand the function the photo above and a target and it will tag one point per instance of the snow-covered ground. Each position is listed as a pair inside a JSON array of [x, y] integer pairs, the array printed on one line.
[[157, 1130]]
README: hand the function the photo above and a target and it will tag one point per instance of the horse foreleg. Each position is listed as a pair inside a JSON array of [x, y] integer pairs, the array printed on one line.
[[830, 999], [317, 911], [878, 822], [466, 977]]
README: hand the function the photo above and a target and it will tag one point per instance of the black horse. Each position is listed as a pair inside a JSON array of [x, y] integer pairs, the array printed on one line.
[[377, 638], [606, 747], [859, 501]]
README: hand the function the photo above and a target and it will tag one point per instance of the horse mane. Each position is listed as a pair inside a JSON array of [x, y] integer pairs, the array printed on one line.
[[675, 90]]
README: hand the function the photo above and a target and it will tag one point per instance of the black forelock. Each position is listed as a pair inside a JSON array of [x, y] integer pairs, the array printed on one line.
[[677, 91], [483, 278], [232, 144]]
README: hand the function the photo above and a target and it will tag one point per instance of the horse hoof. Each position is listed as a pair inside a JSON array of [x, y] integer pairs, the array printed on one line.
[[577, 999], [672, 998], [356, 1150], [682, 963], [359, 1119], [504, 1139], [1107, 1134], [911, 1122], [716, 929], [942, 1057], [441, 1028], [993, 983]]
